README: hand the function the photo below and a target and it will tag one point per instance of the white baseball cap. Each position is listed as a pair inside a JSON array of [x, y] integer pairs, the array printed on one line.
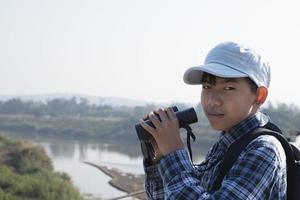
[[231, 60]]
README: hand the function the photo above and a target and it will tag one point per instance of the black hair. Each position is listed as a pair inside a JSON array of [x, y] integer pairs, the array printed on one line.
[[211, 79]]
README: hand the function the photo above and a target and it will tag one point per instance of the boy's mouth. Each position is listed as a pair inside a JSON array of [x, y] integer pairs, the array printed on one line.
[[215, 115]]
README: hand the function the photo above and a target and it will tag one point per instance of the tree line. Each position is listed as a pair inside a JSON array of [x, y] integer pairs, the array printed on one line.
[[78, 116], [59, 108]]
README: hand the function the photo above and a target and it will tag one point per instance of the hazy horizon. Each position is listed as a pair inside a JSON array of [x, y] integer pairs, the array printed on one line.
[[139, 49], [114, 100]]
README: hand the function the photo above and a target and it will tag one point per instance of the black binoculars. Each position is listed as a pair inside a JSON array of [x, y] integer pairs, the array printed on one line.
[[185, 117]]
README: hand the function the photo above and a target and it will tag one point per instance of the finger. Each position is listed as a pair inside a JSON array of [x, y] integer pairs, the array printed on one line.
[[162, 114], [145, 118], [171, 114], [153, 118], [148, 128]]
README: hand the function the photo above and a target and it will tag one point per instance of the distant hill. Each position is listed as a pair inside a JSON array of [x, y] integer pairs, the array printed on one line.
[[114, 101]]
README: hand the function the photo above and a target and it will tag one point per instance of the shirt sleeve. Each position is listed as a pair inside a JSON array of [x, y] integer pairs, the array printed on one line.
[[153, 182], [252, 177]]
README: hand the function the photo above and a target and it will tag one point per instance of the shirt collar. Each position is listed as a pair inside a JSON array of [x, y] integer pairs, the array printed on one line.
[[250, 123]]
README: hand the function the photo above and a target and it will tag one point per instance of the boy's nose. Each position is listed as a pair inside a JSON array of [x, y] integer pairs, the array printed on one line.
[[214, 100]]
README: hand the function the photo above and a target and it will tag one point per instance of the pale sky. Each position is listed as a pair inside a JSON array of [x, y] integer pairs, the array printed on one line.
[[140, 49]]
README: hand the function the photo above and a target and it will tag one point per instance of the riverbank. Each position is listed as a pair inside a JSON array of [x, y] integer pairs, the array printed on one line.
[[130, 183]]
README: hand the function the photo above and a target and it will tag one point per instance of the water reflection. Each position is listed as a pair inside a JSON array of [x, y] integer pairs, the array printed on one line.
[[67, 148], [61, 149]]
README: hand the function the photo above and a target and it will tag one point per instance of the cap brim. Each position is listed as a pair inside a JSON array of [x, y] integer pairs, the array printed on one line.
[[193, 75]]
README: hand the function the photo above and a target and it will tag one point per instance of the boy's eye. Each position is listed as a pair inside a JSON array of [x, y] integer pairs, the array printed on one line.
[[229, 88], [205, 86]]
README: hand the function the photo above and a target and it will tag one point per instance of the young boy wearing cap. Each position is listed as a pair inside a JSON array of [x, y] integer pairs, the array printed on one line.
[[235, 81]]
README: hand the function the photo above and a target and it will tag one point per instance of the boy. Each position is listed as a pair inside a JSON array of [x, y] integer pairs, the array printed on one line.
[[235, 83]]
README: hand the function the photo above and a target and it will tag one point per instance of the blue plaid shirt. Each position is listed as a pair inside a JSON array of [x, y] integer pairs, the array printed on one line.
[[259, 172]]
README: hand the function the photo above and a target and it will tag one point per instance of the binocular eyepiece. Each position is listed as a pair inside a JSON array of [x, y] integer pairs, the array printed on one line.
[[184, 117]]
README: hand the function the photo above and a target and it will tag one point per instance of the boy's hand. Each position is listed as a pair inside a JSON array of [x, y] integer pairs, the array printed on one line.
[[166, 131]]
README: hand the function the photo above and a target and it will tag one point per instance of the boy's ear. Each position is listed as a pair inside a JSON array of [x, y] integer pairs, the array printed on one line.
[[261, 95]]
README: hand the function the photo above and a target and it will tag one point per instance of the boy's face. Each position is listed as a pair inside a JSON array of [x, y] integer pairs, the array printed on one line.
[[227, 101]]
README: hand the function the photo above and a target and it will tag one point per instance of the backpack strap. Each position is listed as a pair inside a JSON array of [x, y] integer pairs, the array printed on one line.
[[238, 146]]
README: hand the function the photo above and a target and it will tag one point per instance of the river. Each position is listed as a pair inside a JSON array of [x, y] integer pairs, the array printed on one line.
[[68, 156]]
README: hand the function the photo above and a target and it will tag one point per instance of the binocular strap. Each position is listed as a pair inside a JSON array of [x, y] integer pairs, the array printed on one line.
[[188, 140]]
